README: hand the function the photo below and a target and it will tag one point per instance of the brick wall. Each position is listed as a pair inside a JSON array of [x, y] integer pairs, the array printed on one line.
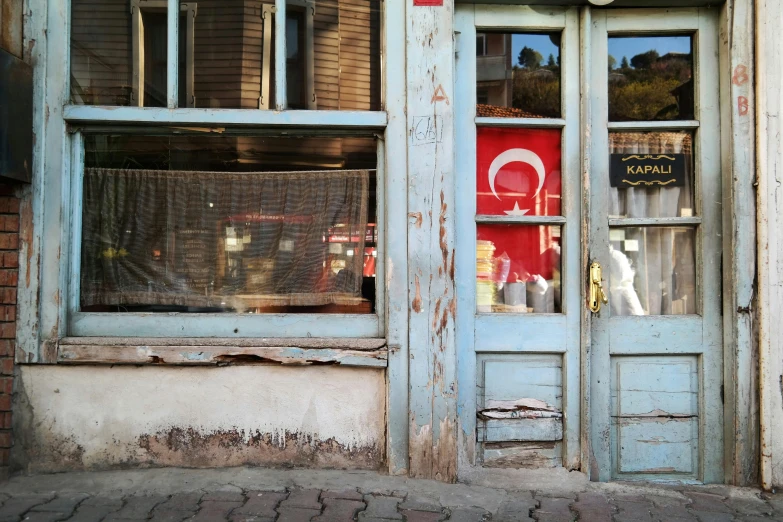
[[11, 40], [9, 274]]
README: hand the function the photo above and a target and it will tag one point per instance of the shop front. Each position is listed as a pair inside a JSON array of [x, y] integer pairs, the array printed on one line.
[[425, 239], [651, 199]]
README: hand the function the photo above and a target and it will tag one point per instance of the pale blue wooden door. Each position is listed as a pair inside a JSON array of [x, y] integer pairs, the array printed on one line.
[[519, 254], [655, 228]]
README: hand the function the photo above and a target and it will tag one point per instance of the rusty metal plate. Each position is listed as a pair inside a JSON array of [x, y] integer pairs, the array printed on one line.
[[16, 118]]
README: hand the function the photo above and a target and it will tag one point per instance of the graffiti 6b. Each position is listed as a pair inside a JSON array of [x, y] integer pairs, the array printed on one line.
[[426, 129]]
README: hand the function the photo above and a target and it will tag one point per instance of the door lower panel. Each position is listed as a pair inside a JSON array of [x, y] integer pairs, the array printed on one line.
[[655, 417]]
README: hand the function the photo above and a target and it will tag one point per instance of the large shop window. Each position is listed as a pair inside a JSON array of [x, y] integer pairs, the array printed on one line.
[[217, 190], [243, 224]]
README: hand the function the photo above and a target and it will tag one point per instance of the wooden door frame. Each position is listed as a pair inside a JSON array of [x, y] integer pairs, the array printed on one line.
[[741, 429], [517, 19], [707, 331]]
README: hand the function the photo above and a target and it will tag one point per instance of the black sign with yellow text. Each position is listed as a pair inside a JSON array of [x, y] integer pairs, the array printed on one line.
[[647, 170]]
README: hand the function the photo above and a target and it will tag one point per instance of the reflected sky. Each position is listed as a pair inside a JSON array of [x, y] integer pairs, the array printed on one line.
[[540, 42], [618, 46], [631, 46]]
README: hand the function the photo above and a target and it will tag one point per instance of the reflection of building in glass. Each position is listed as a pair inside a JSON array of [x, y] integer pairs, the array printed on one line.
[[494, 69], [518, 82], [119, 52]]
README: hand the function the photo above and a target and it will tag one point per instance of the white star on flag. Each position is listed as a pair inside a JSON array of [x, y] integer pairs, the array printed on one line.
[[516, 211]]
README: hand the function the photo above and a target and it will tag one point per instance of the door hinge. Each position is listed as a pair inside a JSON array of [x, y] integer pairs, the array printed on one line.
[[722, 396]]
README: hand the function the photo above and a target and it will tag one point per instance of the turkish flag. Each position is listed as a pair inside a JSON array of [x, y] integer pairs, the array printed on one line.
[[518, 172]]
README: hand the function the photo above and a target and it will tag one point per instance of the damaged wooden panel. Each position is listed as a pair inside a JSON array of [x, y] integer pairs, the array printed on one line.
[[194, 355], [517, 455], [431, 242], [769, 113], [657, 445], [298, 342], [535, 429], [518, 409], [511, 377], [644, 385], [655, 416], [31, 207], [520, 401], [738, 155]]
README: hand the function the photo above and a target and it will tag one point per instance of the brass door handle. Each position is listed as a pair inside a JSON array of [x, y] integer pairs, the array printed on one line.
[[597, 294]]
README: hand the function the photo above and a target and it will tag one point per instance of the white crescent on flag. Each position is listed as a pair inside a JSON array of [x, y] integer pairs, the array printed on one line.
[[521, 155]]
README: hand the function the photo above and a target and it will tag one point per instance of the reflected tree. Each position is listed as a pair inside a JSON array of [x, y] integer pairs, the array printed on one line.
[[530, 58]]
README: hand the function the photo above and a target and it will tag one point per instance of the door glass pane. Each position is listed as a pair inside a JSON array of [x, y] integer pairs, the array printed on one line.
[[652, 271], [651, 174], [243, 224], [518, 172], [518, 269], [650, 78], [518, 75]]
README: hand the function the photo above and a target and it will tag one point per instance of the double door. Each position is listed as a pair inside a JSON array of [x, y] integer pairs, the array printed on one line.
[[589, 240]]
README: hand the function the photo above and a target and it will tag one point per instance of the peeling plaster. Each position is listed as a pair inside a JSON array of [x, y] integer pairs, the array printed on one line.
[[91, 417]]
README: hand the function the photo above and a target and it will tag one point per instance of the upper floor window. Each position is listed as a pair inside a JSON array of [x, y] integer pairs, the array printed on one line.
[[227, 54]]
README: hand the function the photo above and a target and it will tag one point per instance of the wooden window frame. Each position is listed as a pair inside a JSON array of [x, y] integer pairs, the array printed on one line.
[[206, 325], [78, 119]]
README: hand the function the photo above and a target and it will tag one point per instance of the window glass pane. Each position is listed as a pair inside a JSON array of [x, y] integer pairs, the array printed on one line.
[[651, 174], [295, 59], [332, 54], [228, 224], [650, 78], [652, 271], [155, 63], [101, 52], [232, 59], [518, 75], [119, 53], [346, 54], [518, 172], [518, 269], [481, 44]]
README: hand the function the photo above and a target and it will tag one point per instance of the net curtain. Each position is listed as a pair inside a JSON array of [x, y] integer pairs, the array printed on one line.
[[662, 274], [195, 239]]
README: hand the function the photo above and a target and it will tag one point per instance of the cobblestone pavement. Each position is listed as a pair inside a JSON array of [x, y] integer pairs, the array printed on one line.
[[217, 495]]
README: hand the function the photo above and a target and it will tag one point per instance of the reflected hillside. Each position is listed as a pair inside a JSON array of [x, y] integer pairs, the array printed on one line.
[[651, 86]]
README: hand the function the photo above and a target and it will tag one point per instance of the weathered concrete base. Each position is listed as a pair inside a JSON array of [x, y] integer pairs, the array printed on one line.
[[96, 417]]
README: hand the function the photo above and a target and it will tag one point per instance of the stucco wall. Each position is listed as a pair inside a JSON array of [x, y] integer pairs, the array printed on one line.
[[93, 417]]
